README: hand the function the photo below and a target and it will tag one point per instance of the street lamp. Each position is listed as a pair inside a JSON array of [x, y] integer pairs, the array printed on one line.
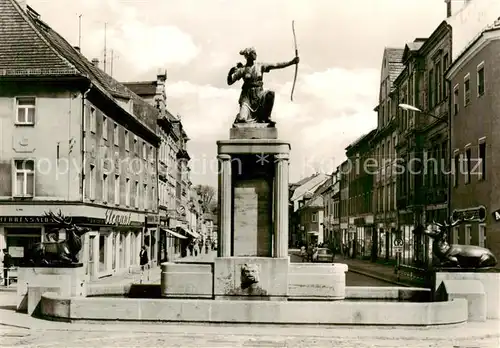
[[408, 107]]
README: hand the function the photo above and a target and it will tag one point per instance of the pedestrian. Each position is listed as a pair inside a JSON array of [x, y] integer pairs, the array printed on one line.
[[7, 263], [144, 260]]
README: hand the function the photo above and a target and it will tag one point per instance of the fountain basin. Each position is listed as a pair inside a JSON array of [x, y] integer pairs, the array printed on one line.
[[65, 308]]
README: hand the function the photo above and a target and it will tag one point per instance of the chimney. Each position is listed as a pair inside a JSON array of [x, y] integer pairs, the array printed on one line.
[[448, 8], [76, 48], [95, 61]]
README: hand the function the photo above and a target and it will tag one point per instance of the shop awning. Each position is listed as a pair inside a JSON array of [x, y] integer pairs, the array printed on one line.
[[175, 234], [191, 233]]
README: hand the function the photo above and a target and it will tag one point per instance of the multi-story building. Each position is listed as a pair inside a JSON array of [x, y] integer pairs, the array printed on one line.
[[360, 172], [330, 193], [475, 81], [311, 218], [345, 230], [74, 140], [297, 192], [422, 146], [383, 143], [172, 168]]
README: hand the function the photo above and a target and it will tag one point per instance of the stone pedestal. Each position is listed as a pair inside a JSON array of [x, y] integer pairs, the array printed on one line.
[[253, 197], [34, 281]]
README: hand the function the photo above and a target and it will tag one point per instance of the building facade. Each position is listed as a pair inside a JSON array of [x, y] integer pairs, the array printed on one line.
[[360, 172], [76, 141], [383, 143], [331, 201], [299, 192], [343, 174], [422, 147], [475, 81], [311, 216], [173, 168]]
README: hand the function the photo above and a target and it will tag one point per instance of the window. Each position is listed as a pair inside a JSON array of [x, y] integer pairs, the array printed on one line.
[[467, 234], [117, 189], [445, 67], [127, 140], [455, 99], [25, 110], [482, 159], [92, 182], [127, 192], [456, 234], [24, 178], [104, 127], [437, 81], [104, 188], [480, 79], [145, 198], [431, 88], [482, 235], [92, 120], [456, 169], [466, 90], [136, 198], [136, 146], [467, 165], [144, 151], [115, 134], [314, 217], [151, 154]]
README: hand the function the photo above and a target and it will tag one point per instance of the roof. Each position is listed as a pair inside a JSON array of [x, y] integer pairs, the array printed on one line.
[[411, 47], [142, 88], [29, 47], [309, 185], [490, 28], [394, 57], [315, 202], [358, 141]]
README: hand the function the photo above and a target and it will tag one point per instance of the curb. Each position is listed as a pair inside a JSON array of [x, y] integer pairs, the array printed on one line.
[[371, 275]]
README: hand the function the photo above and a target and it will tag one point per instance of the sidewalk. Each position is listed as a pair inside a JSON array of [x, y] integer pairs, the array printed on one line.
[[135, 275], [376, 270]]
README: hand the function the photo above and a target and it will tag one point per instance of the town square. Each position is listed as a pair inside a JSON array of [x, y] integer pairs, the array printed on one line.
[[227, 174]]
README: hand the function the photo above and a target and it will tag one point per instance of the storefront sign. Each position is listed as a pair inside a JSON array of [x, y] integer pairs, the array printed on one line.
[[470, 214], [115, 218], [153, 219], [25, 220]]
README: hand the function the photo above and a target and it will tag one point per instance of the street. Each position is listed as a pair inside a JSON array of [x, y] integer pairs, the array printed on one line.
[[172, 335], [352, 278]]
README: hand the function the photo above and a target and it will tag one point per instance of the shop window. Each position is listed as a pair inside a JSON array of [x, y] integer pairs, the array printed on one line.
[[20, 241], [102, 253]]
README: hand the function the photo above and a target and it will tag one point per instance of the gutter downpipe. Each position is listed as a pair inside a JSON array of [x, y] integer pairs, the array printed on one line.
[[83, 142]]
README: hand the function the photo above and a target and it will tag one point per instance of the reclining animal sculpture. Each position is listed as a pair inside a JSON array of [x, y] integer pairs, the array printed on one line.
[[58, 253], [457, 255]]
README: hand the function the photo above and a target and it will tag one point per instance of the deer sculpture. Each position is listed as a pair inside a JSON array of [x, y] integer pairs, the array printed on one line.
[[457, 255], [63, 252]]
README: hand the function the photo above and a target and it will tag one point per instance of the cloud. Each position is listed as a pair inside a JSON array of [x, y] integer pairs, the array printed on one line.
[[145, 46]]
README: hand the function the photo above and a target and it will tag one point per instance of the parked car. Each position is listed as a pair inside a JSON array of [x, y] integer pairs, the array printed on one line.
[[324, 255]]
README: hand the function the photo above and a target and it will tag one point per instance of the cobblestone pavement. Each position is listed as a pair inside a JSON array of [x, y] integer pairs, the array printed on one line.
[[224, 337]]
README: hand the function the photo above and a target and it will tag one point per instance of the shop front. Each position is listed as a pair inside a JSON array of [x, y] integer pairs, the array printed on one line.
[[111, 246]]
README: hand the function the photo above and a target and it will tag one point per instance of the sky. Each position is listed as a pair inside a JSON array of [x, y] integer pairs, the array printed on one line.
[[340, 45]]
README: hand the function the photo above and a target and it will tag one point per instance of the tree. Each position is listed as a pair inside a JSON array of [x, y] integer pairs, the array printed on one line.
[[206, 193]]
